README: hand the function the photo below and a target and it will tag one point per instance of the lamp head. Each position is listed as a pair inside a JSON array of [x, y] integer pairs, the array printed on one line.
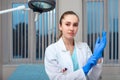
[[41, 5]]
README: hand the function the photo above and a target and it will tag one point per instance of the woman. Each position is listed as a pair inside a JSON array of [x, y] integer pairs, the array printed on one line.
[[69, 60]]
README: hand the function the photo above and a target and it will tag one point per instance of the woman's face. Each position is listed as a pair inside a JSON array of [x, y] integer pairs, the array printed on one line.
[[69, 26]]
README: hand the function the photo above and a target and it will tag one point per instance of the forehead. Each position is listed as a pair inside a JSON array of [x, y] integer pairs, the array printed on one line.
[[70, 18]]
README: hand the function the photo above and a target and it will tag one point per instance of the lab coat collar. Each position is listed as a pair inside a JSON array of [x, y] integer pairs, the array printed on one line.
[[61, 44]]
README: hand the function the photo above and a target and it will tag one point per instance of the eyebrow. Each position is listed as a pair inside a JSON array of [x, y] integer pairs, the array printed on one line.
[[69, 22]]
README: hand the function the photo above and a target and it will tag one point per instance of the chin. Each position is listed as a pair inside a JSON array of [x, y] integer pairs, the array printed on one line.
[[71, 37]]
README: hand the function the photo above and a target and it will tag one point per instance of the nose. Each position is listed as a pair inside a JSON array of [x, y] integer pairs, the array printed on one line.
[[71, 27]]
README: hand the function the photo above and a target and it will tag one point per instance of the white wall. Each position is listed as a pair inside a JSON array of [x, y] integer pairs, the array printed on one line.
[[111, 72], [0, 47], [5, 32], [76, 6]]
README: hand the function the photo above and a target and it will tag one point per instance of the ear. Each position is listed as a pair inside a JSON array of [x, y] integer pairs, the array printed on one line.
[[60, 27]]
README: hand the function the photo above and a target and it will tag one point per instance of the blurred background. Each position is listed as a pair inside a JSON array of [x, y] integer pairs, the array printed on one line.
[[23, 40]]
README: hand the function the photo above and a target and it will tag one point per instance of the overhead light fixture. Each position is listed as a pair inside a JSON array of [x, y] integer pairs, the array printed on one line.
[[41, 5], [38, 6]]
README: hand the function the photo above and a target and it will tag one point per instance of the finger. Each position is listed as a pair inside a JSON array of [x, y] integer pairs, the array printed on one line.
[[103, 36], [104, 40], [98, 40], [103, 33]]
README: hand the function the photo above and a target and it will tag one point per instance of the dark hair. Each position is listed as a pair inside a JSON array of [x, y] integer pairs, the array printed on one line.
[[63, 15], [67, 13]]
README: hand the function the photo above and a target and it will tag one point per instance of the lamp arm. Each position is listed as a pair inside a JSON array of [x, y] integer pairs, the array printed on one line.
[[13, 9], [36, 16]]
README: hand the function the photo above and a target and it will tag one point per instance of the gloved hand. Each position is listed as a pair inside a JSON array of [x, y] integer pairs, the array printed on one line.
[[99, 46], [90, 63]]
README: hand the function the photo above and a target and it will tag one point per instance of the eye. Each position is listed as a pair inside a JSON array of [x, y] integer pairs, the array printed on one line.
[[76, 24], [67, 24]]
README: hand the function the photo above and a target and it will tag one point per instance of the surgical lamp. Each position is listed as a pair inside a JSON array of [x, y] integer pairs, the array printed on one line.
[[41, 5], [38, 6]]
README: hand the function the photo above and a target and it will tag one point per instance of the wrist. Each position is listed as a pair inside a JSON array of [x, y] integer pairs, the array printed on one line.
[[86, 68]]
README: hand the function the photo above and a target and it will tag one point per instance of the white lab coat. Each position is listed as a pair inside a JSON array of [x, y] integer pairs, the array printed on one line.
[[58, 58]]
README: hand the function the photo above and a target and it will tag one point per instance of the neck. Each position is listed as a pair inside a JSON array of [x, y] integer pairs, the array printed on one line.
[[69, 44]]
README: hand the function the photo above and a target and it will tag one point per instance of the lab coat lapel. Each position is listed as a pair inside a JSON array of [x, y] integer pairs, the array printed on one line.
[[80, 56], [61, 45], [64, 55]]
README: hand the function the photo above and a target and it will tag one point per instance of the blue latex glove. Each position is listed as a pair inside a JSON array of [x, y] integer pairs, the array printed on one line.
[[90, 63], [99, 46]]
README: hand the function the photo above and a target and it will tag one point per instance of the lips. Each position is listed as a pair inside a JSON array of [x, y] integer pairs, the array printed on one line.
[[71, 34]]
